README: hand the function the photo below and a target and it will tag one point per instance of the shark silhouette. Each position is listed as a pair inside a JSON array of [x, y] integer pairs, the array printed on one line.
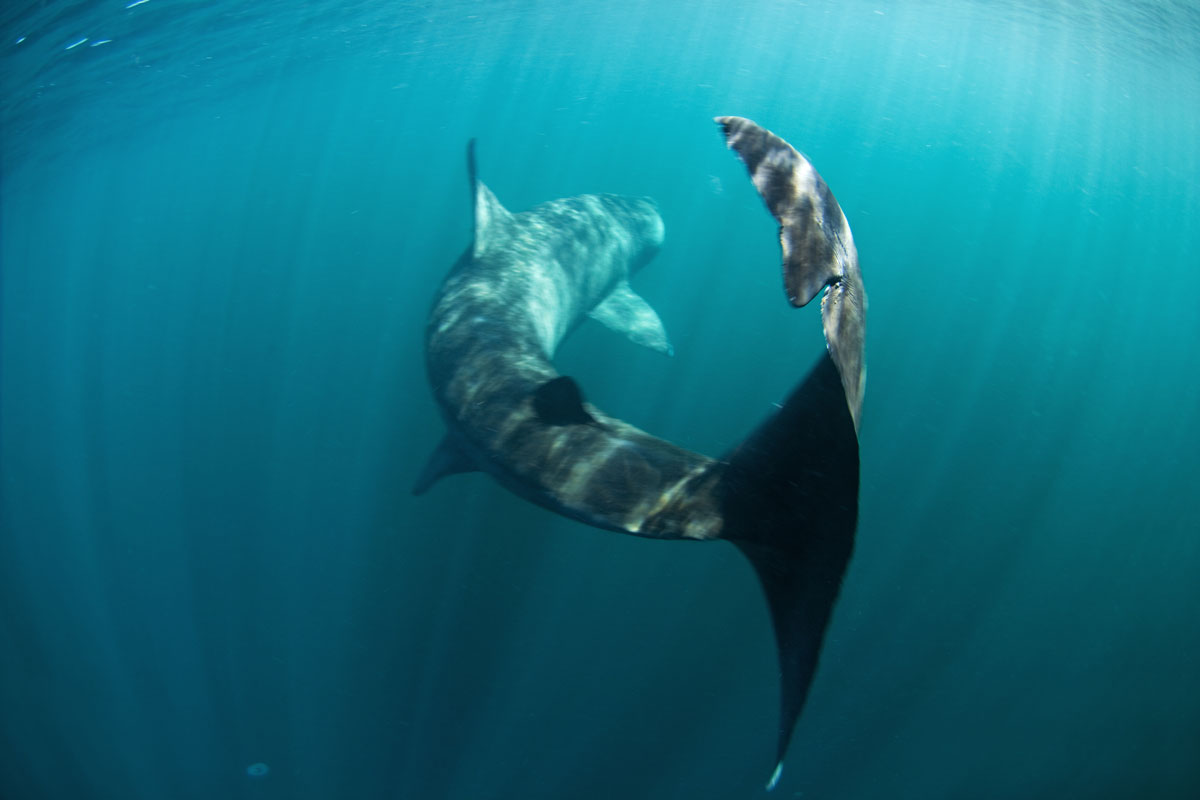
[[787, 496]]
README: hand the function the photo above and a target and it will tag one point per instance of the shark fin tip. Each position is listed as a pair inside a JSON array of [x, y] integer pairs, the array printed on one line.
[[774, 780]]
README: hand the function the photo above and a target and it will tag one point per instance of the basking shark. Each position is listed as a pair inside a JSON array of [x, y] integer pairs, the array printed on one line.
[[787, 496]]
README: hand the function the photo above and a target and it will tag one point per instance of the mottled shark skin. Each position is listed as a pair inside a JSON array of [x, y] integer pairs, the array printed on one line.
[[818, 248], [787, 496]]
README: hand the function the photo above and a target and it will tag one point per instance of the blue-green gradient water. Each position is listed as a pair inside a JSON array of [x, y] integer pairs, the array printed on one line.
[[222, 224]]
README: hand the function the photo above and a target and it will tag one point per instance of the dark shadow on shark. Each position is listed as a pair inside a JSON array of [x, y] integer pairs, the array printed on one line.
[[787, 496]]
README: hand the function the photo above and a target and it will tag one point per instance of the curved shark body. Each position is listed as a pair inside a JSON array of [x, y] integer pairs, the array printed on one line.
[[787, 496]]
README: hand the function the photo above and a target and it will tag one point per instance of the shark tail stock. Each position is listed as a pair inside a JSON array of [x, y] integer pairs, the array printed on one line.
[[789, 492]]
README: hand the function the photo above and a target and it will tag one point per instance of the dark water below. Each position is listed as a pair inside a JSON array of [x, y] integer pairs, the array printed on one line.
[[220, 232]]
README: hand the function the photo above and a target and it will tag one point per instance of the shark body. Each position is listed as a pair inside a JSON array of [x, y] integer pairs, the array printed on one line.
[[787, 496]]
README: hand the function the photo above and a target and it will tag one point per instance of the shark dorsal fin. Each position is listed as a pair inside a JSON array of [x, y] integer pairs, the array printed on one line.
[[559, 401], [490, 216]]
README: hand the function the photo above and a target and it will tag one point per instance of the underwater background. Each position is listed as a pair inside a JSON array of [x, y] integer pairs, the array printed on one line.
[[222, 225]]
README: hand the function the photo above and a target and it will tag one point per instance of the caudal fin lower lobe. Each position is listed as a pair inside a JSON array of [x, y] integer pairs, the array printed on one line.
[[790, 502]]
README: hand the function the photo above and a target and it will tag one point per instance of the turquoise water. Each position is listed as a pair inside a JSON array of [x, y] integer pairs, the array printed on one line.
[[221, 230]]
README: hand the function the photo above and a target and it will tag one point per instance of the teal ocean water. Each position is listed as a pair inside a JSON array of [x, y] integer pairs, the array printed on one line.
[[222, 224]]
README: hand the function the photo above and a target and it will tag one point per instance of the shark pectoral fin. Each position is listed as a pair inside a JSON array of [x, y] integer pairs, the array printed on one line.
[[624, 311], [560, 402], [447, 459]]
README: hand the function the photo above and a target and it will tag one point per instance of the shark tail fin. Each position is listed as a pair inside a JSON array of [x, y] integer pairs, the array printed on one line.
[[816, 242], [789, 500], [789, 493]]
